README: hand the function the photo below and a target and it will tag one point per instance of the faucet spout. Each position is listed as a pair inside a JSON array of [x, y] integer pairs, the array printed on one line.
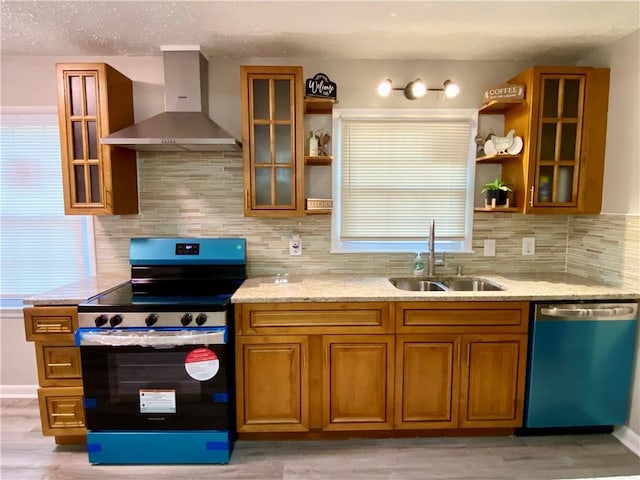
[[431, 261]]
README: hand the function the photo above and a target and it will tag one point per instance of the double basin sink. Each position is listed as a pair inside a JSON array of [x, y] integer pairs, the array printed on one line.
[[445, 284]]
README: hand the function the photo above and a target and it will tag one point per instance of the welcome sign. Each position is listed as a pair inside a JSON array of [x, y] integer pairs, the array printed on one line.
[[321, 86]]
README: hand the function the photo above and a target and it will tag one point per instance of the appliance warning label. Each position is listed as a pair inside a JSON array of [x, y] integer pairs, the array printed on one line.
[[201, 364], [157, 401]]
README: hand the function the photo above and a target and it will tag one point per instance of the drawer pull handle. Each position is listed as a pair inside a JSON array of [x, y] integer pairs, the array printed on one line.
[[59, 364], [63, 414], [50, 325]]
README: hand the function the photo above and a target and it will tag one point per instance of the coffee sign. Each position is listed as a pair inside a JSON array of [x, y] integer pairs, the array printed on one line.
[[321, 86], [506, 91]]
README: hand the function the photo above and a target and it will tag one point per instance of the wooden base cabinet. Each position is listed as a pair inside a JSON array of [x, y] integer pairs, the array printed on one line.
[[293, 378], [331, 368], [60, 396], [447, 378]]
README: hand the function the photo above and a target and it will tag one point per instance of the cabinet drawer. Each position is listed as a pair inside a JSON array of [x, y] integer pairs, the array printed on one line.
[[315, 318], [58, 365], [462, 317], [48, 323], [61, 411]]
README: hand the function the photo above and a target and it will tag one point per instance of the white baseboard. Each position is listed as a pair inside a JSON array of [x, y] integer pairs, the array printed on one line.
[[628, 438], [18, 391]]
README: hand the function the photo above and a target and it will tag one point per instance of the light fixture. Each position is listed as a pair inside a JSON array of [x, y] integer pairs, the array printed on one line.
[[384, 89], [417, 89], [450, 89]]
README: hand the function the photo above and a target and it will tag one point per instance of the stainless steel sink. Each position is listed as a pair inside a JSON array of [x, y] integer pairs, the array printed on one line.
[[417, 285], [443, 284], [470, 284]]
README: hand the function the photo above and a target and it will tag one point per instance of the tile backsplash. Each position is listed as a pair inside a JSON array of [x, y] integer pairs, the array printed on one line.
[[197, 195], [605, 247]]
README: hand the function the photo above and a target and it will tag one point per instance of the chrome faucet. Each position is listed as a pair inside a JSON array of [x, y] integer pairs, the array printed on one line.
[[431, 261]]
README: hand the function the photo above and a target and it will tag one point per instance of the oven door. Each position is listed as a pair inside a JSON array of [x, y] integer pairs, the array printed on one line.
[[160, 379]]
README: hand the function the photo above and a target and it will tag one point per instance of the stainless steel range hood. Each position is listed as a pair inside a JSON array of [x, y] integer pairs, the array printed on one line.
[[185, 125]]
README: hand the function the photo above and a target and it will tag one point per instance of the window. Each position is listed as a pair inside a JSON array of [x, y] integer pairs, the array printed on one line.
[[395, 170], [40, 247]]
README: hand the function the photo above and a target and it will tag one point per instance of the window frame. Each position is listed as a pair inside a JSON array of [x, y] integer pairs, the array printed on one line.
[[398, 246]]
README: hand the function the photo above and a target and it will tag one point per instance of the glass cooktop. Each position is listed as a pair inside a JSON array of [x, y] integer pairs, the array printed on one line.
[[122, 298]]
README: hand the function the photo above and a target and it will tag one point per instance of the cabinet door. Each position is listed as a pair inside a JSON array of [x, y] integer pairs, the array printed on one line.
[[427, 381], [272, 131], [273, 383], [357, 381], [89, 168], [492, 380], [556, 164]]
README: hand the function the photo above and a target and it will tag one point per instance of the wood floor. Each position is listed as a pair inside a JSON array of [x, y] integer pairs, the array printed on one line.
[[27, 455]]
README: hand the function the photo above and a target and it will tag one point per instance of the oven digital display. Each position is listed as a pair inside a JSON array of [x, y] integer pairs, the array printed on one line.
[[187, 249]]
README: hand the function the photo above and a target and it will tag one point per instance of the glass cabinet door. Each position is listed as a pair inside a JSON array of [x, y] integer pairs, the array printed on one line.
[[272, 129], [83, 137], [557, 162]]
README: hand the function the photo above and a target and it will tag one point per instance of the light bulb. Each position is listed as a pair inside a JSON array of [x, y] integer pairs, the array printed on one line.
[[451, 89], [418, 88], [384, 89]]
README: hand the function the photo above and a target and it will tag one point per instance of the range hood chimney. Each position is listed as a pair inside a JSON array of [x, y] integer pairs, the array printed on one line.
[[185, 125]]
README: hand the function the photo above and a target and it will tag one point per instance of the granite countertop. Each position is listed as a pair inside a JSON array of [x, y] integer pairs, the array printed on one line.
[[358, 288], [77, 292]]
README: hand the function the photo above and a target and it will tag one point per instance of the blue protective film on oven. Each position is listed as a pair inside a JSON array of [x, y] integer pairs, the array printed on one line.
[[90, 403], [221, 397]]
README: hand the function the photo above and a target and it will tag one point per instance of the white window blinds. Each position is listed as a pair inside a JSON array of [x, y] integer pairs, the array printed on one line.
[[41, 248], [398, 174]]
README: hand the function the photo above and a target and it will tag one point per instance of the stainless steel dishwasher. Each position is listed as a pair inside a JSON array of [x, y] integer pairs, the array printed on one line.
[[580, 364]]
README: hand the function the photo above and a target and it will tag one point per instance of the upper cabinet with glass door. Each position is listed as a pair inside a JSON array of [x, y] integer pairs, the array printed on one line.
[[272, 129], [563, 122], [94, 99]]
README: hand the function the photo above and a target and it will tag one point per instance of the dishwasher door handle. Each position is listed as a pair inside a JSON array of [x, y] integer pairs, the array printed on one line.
[[614, 312]]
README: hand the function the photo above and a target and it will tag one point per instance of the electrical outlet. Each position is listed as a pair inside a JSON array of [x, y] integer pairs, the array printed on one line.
[[489, 248], [528, 246], [295, 244]]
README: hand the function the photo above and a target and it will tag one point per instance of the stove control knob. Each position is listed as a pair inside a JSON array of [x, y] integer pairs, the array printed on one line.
[[201, 318], [115, 320], [101, 320], [186, 319], [151, 319]]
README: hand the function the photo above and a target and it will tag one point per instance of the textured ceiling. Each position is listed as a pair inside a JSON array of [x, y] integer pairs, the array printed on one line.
[[457, 30]]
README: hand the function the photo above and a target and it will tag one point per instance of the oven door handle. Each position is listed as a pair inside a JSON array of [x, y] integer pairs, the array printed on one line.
[[156, 338]]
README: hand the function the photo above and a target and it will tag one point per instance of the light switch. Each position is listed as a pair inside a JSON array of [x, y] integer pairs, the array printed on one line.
[[489, 247]]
